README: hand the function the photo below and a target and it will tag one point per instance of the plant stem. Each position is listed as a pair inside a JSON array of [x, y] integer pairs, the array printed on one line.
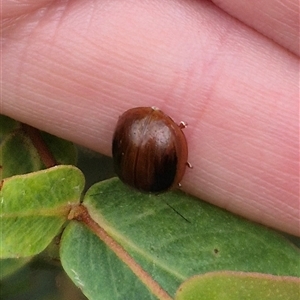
[[41, 147], [80, 213]]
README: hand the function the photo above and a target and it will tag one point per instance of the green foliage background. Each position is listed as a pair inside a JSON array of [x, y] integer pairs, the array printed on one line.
[[173, 236]]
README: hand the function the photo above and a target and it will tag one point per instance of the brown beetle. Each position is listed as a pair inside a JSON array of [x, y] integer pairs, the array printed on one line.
[[149, 150]]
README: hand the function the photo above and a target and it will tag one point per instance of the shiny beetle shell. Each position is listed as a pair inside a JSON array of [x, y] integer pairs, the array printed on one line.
[[149, 150]]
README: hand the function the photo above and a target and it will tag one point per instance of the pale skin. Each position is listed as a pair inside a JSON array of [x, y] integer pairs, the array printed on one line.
[[230, 71]]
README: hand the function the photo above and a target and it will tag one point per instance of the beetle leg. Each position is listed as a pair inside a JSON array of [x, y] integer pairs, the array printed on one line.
[[183, 125], [189, 165]]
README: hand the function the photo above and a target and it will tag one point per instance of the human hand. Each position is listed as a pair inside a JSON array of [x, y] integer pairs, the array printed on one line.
[[72, 67]]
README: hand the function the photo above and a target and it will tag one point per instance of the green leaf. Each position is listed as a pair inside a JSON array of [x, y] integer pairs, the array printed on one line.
[[95, 269], [7, 125], [239, 285], [18, 155], [34, 207], [173, 236], [64, 151]]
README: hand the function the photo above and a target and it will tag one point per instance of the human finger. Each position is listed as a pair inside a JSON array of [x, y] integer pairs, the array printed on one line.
[[72, 70]]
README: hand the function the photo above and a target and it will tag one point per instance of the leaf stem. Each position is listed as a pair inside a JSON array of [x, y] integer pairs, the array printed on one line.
[[80, 213], [40, 145]]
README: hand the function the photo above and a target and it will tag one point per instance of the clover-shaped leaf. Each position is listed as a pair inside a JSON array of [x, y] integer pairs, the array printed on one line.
[[33, 208]]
